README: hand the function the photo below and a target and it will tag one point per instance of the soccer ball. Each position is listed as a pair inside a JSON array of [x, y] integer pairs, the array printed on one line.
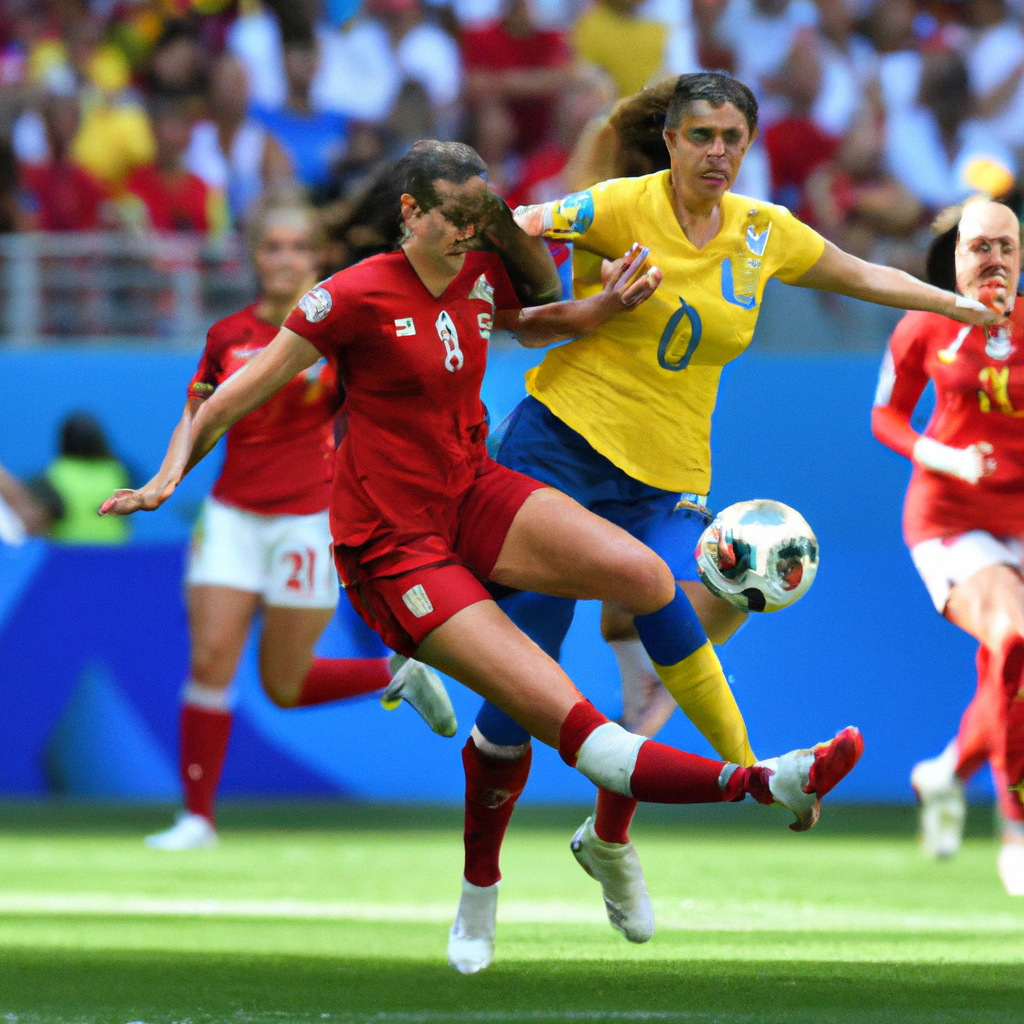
[[758, 555]]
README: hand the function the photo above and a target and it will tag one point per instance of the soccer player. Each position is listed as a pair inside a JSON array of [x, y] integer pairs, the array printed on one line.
[[620, 420], [422, 518], [963, 518], [263, 540]]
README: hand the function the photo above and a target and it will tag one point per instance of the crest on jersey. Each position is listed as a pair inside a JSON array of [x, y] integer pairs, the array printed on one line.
[[756, 242], [998, 344], [483, 289], [316, 304], [447, 332]]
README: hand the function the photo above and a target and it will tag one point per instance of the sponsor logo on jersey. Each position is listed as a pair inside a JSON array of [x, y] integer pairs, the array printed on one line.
[[316, 304], [417, 602], [948, 354], [446, 331], [483, 289], [404, 327]]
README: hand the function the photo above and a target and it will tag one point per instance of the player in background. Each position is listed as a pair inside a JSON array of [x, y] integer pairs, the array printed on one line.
[[620, 420], [422, 518], [263, 541], [963, 517]]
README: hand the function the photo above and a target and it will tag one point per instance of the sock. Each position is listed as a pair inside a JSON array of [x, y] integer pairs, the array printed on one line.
[[638, 679], [1008, 666], [663, 774], [687, 664], [492, 787], [337, 678], [205, 729], [613, 816]]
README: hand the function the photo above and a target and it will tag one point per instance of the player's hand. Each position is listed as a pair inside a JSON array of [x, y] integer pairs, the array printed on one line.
[[969, 464], [530, 219], [126, 501], [626, 281]]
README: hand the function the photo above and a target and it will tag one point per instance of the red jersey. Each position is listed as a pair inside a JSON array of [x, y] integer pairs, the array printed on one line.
[[412, 367], [279, 456], [181, 203], [979, 391], [65, 197]]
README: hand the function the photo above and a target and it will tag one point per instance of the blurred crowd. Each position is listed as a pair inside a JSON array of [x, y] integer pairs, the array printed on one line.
[[176, 115]]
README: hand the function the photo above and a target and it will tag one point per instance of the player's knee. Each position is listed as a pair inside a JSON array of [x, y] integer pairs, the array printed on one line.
[[653, 584], [617, 624]]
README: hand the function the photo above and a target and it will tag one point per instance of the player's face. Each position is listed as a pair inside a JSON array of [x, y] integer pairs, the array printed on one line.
[[285, 260], [441, 229], [706, 150], [987, 249]]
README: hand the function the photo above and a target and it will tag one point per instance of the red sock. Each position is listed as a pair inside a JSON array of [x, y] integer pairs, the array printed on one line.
[[492, 788], [1010, 667], [203, 745], [613, 815], [337, 678], [983, 726]]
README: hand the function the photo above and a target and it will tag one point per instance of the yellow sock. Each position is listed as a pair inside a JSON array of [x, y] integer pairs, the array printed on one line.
[[701, 690]]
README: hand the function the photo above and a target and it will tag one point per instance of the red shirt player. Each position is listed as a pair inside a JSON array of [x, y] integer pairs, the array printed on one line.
[[424, 521], [264, 540], [964, 515]]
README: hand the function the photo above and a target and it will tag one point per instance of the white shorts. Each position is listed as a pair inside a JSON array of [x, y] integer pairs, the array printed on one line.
[[286, 559], [943, 562]]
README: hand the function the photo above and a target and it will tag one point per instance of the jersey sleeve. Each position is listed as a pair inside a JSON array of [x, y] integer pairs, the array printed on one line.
[[210, 372], [592, 220], [797, 247], [321, 317], [901, 381]]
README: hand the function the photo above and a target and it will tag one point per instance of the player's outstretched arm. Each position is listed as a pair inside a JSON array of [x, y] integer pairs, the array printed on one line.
[[285, 357], [626, 285], [838, 271]]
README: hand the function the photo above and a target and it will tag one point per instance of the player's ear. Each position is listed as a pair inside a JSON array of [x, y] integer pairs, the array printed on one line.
[[409, 207]]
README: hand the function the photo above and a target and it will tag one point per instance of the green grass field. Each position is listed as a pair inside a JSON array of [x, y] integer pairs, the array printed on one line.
[[340, 913]]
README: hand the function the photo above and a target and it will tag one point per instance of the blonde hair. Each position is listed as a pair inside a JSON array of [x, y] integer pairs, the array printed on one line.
[[284, 204]]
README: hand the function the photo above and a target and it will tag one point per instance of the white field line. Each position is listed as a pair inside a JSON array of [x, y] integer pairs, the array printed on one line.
[[691, 915]]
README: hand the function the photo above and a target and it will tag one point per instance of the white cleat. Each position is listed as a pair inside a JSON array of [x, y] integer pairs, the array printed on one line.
[[943, 807], [471, 940], [617, 867], [421, 688], [1011, 868], [189, 832], [801, 778]]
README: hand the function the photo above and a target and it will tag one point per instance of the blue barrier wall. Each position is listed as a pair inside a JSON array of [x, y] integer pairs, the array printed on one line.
[[93, 645]]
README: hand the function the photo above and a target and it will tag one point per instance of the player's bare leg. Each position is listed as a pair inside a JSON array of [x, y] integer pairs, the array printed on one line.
[[990, 606], [219, 621]]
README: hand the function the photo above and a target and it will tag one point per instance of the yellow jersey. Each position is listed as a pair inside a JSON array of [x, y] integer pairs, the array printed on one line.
[[641, 389]]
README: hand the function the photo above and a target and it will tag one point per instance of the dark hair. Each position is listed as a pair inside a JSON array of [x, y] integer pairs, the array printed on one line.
[[82, 437], [429, 161], [717, 89], [639, 121], [940, 265]]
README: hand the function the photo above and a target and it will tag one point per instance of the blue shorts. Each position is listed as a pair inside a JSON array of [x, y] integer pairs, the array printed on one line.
[[532, 440]]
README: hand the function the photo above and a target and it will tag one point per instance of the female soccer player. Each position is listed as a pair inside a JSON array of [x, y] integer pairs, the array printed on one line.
[[264, 541], [963, 518], [422, 518], [621, 419]]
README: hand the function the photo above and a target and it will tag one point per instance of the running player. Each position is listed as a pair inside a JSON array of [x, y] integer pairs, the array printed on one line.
[[421, 517], [263, 540], [621, 421], [963, 518]]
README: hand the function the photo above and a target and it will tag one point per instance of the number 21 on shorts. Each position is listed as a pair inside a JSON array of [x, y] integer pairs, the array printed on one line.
[[302, 577]]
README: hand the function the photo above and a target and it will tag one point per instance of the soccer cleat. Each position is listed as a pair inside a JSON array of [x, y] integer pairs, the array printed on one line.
[[617, 867], [471, 940], [801, 778], [1011, 868], [421, 688], [189, 832], [943, 808]]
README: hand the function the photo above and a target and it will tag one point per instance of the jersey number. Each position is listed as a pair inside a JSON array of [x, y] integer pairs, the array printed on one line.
[[696, 329], [303, 570]]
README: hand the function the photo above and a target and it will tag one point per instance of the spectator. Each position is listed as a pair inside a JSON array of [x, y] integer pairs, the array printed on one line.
[[61, 196], [935, 149], [233, 152], [12, 217], [849, 66], [84, 475], [615, 36], [899, 63], [177, 63], [995, 61], [164, 195], [313, 142], [512, 63]]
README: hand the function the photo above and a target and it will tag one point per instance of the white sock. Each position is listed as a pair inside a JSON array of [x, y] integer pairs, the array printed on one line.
[[206, 697], [638, 677]]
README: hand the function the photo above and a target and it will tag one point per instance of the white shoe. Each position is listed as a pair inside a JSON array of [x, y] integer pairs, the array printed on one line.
[[471, 940], [1011, 868], [801, 778], [943, 808], [421, 688], [617, 867], [189, 832]]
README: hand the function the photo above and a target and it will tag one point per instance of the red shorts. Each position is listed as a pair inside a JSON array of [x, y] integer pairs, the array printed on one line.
[[404, 599]]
